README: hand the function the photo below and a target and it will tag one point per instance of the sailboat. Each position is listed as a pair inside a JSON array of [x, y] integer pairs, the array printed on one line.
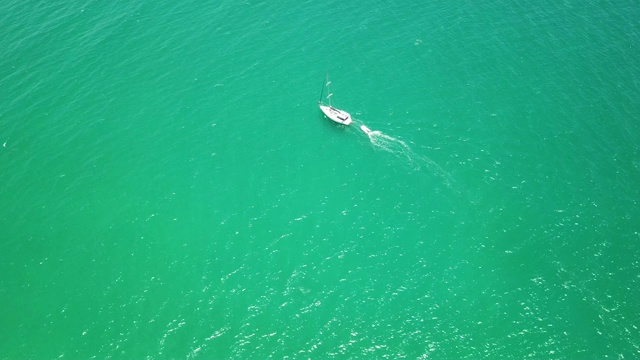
[[337, 115]]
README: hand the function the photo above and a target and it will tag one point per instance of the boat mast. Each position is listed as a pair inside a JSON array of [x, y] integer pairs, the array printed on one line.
[[328, 82], [322, 91]]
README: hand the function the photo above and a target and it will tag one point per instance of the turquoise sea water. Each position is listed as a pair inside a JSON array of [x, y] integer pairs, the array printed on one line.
[[170, 189]]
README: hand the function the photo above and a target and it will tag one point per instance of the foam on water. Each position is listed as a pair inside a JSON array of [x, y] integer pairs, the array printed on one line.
[[404, 152]]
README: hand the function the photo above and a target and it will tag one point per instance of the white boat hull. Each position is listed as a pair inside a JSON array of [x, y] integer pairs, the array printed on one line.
[[337, 115]]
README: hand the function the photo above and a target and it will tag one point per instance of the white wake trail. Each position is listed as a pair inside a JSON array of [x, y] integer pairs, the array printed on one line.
[[402, 150], [396, 147]]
